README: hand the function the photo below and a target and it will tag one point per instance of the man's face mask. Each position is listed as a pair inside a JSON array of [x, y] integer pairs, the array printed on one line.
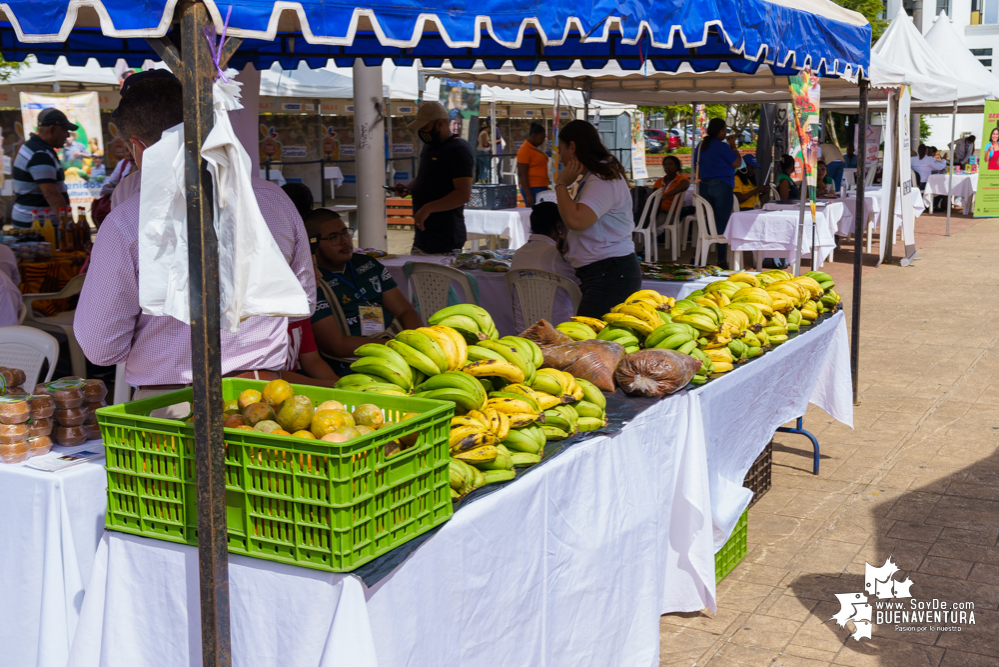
[[432, 136]]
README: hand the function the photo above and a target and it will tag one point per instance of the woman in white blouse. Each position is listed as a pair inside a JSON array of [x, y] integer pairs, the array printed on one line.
[[599, 219]]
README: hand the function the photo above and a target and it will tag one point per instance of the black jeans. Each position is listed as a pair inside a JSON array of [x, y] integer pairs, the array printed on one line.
[[607, 283]]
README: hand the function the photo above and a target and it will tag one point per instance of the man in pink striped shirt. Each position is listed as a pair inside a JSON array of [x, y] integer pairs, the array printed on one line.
[[109, 323]]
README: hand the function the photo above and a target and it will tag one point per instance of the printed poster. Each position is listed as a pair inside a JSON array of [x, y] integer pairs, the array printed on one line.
[[639, 170], [805, 95], [987, 197], [82, 156], [886, 171], [464, 97]]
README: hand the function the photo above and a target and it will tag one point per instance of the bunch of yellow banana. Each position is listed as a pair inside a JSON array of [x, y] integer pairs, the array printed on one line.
[[560, 422], [653, 298], [449, 340], [559, 384], [514, 351], [768, 277], [743, 277], [754, 314], [577, 330], [795, 292], [794, 319], [519, 409], [592, 322], [809, 312], [721, 359], [637, 315], [776, 328], [815, 290], [472, 322], [755, 296]]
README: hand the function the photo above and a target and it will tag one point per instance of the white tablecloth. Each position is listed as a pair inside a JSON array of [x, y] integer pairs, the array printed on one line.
[[775, 234], [514, 223], [832, 212], [572, 564], [495, 297], [49, 529], [965, 185]]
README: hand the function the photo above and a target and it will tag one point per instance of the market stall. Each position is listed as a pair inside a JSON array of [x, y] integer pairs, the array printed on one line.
[[775, 234], [628, 521]]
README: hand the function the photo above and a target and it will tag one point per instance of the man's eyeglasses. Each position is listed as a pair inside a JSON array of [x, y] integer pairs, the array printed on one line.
[[336, 236]]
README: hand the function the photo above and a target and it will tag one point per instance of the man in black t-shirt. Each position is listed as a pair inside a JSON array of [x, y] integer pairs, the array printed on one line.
[[443, 183]]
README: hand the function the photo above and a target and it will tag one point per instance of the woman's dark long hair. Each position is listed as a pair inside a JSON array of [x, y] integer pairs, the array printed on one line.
[[715, 125], [590, 151], [786, 164]]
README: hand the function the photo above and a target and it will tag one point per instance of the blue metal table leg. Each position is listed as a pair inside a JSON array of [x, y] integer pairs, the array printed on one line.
[[801, 431]]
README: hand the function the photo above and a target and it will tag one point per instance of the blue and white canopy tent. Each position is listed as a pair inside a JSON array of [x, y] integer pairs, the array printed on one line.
[[740, 35]]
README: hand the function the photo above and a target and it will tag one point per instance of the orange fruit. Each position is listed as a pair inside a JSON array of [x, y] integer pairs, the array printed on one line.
[[248, 398], [277, 392]]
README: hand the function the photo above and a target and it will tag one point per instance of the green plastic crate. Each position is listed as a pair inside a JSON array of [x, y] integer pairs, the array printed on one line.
[[734, 550], [323, 505]]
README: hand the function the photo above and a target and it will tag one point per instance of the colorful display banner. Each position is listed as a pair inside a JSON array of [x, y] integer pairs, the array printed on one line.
[[987, 197], [805, 95], [82, 156], [639, 169]]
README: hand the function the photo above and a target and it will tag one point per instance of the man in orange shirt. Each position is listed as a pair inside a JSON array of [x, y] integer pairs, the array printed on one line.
[[532, 164]]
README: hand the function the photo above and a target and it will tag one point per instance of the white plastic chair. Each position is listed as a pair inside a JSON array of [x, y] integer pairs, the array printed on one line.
[[430, 283], [707, 232], [536, 292], [645, 227], [60, 323], [671, 225], [869, 174], [849, 180], [27, 348]]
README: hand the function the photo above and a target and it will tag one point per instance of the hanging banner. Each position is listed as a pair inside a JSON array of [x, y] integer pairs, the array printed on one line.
[[886, 174], [700, 121], [805, 96], [465, 98], [905, 175], [794, 147], [987, 197], [82, 156], [638, 167]]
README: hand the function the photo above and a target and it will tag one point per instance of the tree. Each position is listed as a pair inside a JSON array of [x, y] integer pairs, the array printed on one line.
[[872, 11]]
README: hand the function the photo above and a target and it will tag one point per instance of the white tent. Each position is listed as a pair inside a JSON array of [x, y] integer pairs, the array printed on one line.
[[35, 74], [949, 48], [903, 45]]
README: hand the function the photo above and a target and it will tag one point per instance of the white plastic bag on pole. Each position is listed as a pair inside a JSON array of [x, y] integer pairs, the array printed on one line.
[[254, 277]]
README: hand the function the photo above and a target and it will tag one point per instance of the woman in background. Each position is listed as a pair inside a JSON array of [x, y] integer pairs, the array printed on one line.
[[599, 220], [717, 164], [787, 190]]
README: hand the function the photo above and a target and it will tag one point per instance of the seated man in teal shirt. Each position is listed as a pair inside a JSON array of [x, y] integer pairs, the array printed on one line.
[[364, 290]]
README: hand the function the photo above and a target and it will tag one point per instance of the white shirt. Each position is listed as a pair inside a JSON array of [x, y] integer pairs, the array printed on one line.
[[8, 264], [10, 301], [610, 236], [541, 252], [926, 165]]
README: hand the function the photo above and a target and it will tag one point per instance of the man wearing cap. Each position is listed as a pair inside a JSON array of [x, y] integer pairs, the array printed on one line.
[[443, 183], [39, 182]]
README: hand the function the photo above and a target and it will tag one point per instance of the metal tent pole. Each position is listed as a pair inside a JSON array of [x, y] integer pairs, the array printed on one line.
[[196, 72], [950, 170], [493, 145], [858, 244]]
